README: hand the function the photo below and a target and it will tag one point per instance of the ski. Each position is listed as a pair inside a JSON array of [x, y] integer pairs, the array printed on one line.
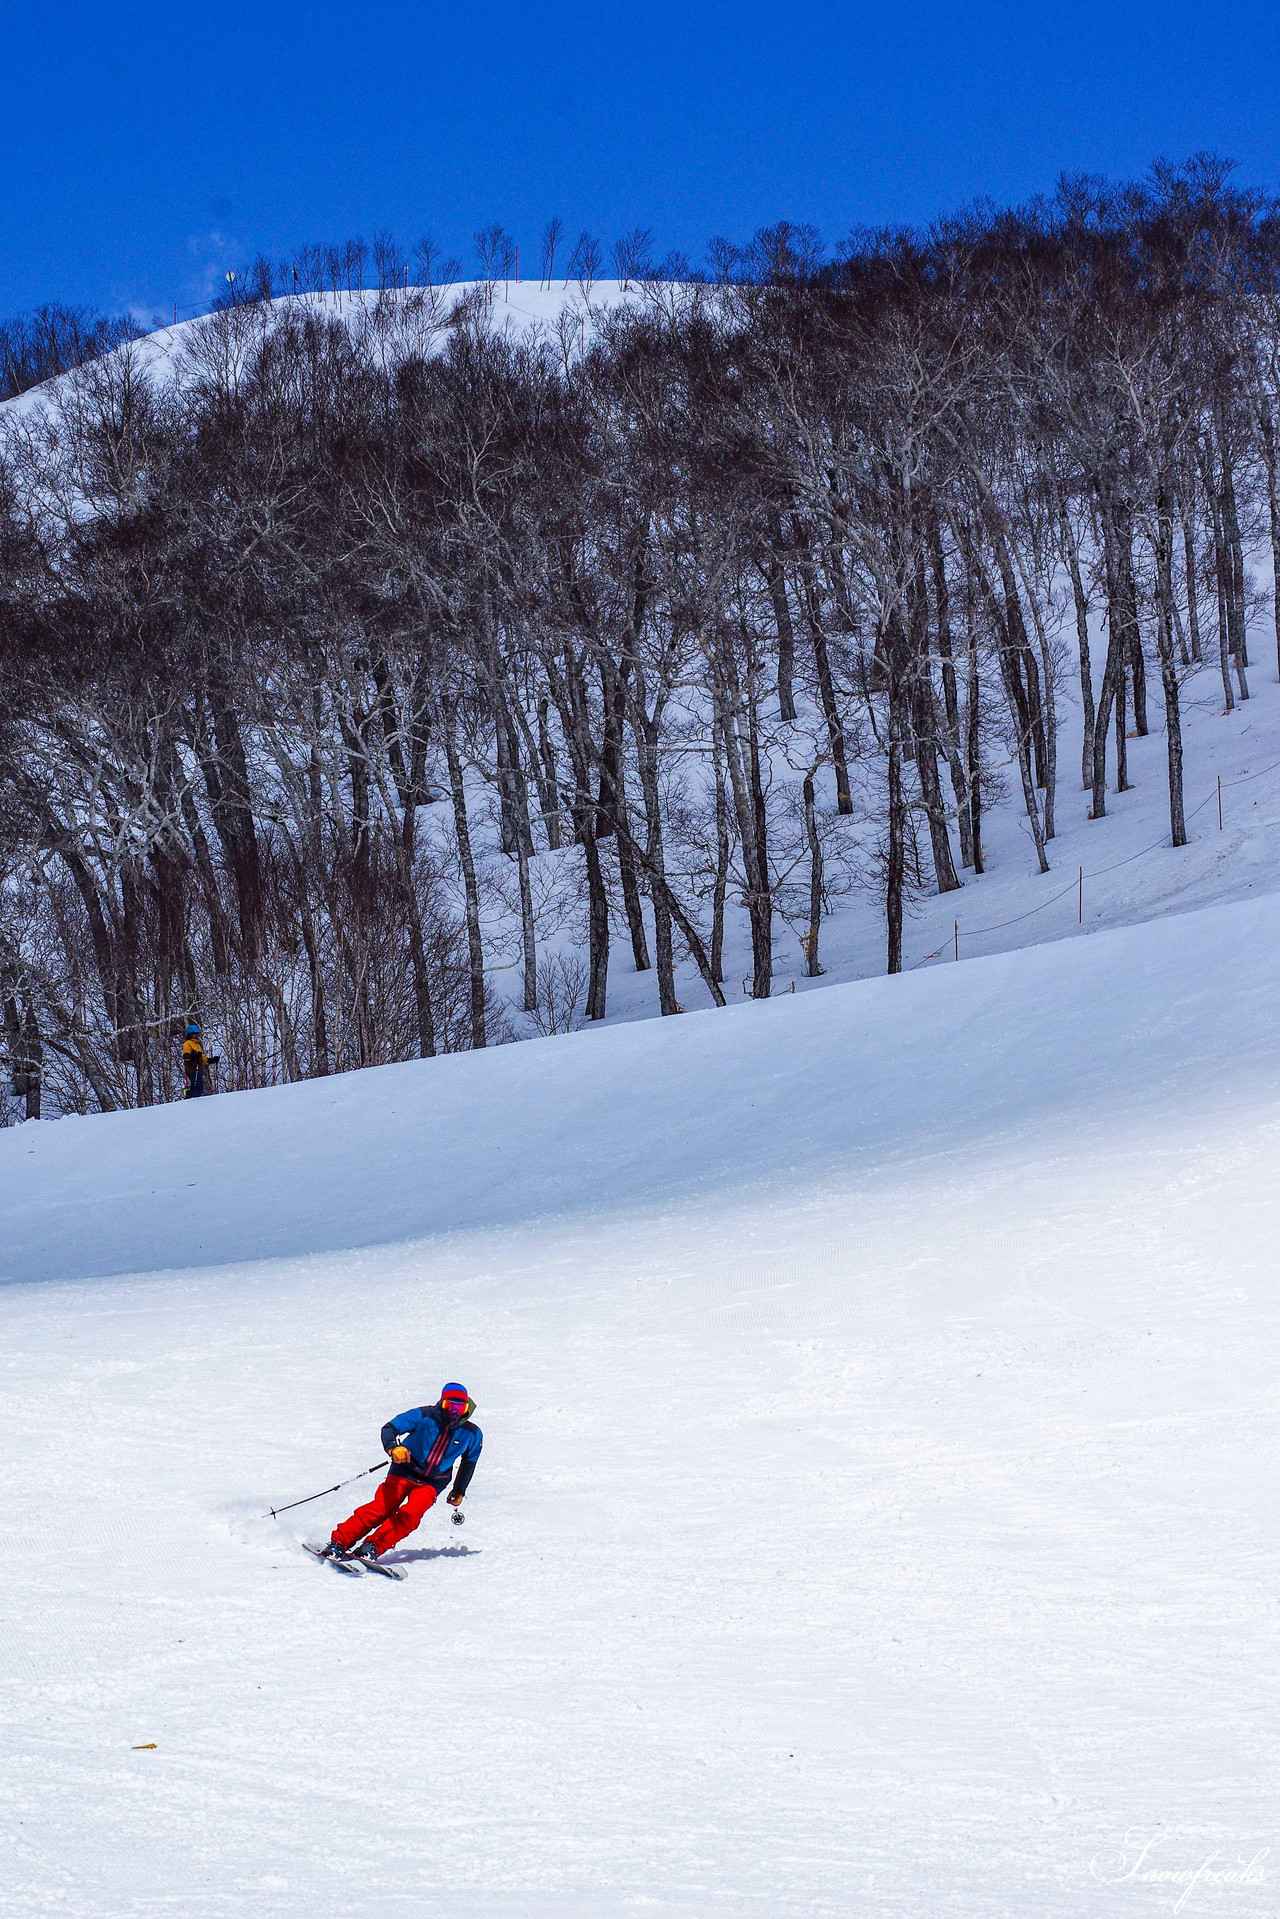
[[326, 1559], [372, 1566], [356, 1566]]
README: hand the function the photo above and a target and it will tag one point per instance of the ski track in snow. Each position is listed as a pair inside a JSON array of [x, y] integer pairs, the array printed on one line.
[[878, 1506]]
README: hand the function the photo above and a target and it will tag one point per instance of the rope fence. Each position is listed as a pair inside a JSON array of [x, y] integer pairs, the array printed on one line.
[[1077, 885]]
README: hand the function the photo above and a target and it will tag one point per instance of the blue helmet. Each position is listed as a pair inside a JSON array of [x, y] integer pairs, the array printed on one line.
[[192, 1029]]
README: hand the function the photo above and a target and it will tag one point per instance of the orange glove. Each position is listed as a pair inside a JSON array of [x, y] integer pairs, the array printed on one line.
[[454, 1499], [400, 1455]]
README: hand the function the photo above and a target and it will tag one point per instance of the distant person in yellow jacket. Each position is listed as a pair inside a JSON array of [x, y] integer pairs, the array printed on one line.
[[193, 1063]]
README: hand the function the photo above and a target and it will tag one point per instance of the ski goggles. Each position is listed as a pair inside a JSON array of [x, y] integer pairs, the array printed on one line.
[[454, 1403]]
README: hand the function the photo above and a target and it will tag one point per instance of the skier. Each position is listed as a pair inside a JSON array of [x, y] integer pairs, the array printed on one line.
[[193, 1063], [423, 1445]]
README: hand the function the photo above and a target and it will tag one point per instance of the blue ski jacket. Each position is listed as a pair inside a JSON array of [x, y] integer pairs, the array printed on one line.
[[435, 1445]]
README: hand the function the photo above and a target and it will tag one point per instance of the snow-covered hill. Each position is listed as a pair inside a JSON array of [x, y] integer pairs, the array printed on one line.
[[509, 306], [880, 1484], [1130, 871], [878, 1505]]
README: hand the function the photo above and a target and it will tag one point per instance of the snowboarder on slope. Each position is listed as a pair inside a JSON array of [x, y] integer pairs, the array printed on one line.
[[423, 1445], [193, 1063]]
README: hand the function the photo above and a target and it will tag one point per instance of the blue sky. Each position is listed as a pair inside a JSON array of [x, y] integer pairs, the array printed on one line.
[[146, 148]]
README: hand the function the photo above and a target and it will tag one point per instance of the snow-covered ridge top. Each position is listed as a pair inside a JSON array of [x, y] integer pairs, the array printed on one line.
[[411, 314]]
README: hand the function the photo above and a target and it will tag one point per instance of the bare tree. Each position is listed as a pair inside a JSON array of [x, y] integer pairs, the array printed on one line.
[[552, 234]]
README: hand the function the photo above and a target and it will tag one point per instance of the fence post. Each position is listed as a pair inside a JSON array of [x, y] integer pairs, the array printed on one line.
[[1080, 897], [955, 929], [1219, 802]]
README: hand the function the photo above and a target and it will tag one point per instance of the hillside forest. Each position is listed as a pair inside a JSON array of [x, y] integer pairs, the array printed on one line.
[[377, 678]]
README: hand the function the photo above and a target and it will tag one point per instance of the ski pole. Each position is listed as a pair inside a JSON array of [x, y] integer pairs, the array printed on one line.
[[277, 1510]]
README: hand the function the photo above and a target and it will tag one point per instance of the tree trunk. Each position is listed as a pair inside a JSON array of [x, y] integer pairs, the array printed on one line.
[[1273, 504], [631, 890], [1220, 572], [748, 800], [32, 1062], [1235, 572], [646, 730], [1013, 650], [528, 936], [760, 904], [513, 789], [320, 1063], [1169, 671], [611, 802], [1049, 706], [924, 723], [723, 853], [827, 695], [973, 753], [548, 780], [1020, 659], [1224, 640], [1193, 589], [597, 924], [815, 879], [570, 692], [424, 1009], [1081, 599], [1122, 742], [231, 804], [786, 639], [1111, 692], [895, 862], [26, 1053], [471, 889], [1136, 659], [950, 697], [1016, 699]]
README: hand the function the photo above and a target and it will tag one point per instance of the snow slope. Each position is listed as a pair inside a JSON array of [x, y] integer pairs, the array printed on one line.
[[879, 1500], [757, 1096], [513, 306], [1131, 873]]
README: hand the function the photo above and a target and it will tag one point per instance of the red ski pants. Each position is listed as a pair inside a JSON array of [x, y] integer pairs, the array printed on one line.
[[395, 1509]]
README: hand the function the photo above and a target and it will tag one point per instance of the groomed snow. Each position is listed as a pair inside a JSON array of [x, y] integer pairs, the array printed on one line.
[[878, 1505]]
